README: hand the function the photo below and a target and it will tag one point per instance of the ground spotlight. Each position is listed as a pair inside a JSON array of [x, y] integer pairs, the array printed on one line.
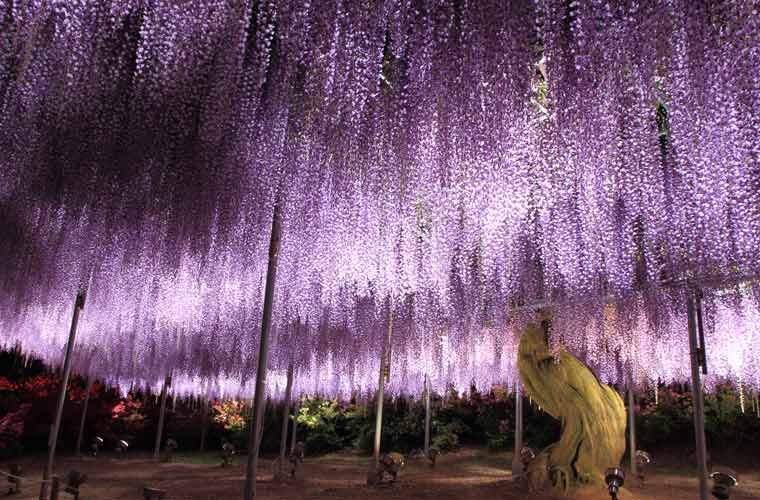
[[527, 455], [74, 479], [97, 442], [614, 477], [228, 451], [643, 459], [169, 448], [153, 493], [121, 448], [432, 455], [296, 457], [723, 481], [14, 478], [390, 464]]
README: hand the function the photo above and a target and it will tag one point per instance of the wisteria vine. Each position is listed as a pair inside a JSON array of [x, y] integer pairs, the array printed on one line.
[[449, 161]]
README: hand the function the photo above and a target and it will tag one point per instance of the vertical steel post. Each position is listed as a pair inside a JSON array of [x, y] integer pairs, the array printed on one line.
[[295, 428], [427, 415], [632, 425], [53, 440], [90, 380], [384, 365], [697, 398], [162, 415], [517, 466], [204, 415], [285, 417], [261, 369], [55, 489]]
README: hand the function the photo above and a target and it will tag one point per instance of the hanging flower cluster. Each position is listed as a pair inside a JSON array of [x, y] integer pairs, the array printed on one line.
[[450, 162]]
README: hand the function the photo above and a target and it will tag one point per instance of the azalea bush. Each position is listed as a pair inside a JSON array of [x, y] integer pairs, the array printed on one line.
[[11, 430], [28, 398], [231, 415]]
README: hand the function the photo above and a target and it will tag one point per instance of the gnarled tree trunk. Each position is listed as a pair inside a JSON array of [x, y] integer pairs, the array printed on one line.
[[592, 413]]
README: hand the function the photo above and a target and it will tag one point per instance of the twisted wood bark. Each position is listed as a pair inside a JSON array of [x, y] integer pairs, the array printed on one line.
[[592, 414]]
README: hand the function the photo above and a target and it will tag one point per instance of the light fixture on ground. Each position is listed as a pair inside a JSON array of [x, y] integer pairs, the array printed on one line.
[[296, 457], [169, 449], [723, 480], [97, 442], [153, 493], [643, 459], [121, 448], [432, 455], [228, 451], [527, 455], [15, 473], [74, 480], [615, 478], [390, 465]]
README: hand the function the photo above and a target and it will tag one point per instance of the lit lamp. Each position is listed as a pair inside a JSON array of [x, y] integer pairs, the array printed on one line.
[[121, 448], [95, 446], [228, 450], [527, 455], [643, 459], [614, 477], [723, 481]]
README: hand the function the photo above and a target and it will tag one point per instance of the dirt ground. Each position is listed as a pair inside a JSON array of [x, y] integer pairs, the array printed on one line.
[[471, 474]]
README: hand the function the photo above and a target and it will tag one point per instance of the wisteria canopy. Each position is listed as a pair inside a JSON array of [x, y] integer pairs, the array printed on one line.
[[449, 162]]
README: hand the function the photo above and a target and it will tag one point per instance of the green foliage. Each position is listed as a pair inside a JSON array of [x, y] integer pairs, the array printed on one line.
[[323, 421], [671, 419], [472, 418]]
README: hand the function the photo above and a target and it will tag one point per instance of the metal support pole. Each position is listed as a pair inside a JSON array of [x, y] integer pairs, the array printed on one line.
[[261, 371], [78, 307], [384, 365], [285, 415], [162, 415], [204, 416], [697, 399], [90, 381], [55, 489], [427, 415], [295, 427], [657, 393], [517, 466], [632, 426]]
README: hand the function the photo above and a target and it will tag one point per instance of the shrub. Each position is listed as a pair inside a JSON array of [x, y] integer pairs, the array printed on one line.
[[11, 430]]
